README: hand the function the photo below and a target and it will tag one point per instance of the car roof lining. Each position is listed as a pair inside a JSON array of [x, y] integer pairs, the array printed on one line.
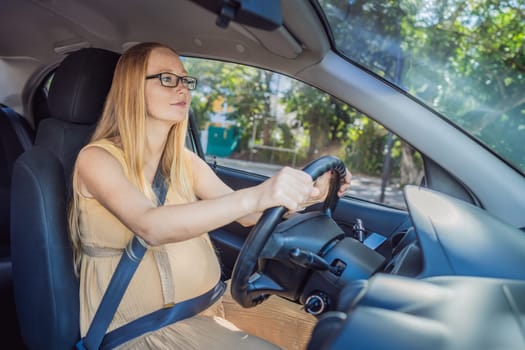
[[51, 28]]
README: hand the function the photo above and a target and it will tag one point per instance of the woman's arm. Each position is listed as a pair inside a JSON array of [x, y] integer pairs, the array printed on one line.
[[208, 185], [102, 177]]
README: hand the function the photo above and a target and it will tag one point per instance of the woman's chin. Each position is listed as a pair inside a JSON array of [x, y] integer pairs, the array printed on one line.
[[171, 119]]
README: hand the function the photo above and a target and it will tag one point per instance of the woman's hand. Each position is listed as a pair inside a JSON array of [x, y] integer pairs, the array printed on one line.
[[323, 184], [345, 184], [288, 188], [295, 190]]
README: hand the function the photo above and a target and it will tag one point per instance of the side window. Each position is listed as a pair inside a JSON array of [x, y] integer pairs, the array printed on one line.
[[259, 121]]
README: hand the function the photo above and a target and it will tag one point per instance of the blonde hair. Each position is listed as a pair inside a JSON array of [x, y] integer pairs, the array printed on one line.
[[124, 117]]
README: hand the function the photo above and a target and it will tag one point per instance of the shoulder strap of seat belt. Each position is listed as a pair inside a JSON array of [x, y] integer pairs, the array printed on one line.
[[121, 277]]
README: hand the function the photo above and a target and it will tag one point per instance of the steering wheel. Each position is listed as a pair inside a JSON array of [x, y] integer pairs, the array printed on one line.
[[249, 291]]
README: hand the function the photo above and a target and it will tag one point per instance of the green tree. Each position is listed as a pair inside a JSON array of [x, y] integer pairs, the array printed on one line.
[[466, 59], [324, 117], [210, 75], [245, 89], [253, 109]]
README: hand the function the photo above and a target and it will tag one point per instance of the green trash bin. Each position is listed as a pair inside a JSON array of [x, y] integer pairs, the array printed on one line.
[[222, 140]]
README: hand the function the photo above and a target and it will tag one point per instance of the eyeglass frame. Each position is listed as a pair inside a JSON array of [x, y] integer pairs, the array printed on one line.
[[179, 79]]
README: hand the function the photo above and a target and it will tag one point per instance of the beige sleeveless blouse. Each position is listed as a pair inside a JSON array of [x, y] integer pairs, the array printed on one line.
[[169, 273]]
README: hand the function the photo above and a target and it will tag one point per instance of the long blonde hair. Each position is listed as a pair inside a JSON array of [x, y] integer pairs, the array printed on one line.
[[124, 117]]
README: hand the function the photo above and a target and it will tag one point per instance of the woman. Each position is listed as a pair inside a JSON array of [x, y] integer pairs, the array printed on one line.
[[143, 126]]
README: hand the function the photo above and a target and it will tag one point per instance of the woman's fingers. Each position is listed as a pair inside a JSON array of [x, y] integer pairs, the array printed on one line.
[[345, 186], [323, 182], [292, 188], [289, 188], [316, 192]]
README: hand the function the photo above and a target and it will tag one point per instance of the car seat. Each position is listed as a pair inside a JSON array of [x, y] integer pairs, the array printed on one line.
[[45, 285]]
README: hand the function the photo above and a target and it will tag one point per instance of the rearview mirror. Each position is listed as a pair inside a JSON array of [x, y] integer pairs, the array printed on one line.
[[264, 14]]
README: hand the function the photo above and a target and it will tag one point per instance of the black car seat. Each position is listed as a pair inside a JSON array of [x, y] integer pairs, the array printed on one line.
[[45, 286], [16, 136]]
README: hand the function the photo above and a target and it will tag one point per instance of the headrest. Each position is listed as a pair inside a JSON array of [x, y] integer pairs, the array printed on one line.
[[80, 85]]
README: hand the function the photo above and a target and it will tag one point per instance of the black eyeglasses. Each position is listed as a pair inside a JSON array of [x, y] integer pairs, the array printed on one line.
[[171, 80]]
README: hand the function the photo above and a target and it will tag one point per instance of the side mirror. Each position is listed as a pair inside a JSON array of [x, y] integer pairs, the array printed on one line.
[[264, 15]]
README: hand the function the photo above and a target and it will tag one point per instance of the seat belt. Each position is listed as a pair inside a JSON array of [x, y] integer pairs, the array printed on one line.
[[16, 123], [163, 317], [96, 337]]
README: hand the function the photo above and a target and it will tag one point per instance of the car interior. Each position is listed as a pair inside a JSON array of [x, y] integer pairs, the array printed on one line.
[[444, 273]]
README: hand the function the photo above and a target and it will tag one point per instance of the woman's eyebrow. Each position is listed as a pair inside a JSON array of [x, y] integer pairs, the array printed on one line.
[[167, 70]]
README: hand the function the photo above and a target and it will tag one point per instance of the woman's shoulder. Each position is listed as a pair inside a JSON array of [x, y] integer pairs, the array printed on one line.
[[111, 146], [112, 143], [188, 154], [103, 150], [98, 159]]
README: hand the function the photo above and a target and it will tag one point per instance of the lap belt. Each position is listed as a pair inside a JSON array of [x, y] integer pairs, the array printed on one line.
[[163, 317], [96, 337]]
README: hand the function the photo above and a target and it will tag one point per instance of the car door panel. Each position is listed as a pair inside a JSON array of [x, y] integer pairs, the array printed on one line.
[[376, 218]]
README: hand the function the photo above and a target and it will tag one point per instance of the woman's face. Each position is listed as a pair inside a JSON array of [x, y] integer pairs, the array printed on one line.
[[166, 103]]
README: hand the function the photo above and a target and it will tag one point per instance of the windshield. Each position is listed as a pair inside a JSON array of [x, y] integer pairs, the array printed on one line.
[[464, 59]]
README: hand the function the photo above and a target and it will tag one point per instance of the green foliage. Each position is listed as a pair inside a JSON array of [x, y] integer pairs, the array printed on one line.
[[366, 147], [466, 59], [315, 124], [210, 75], [323, 117]]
